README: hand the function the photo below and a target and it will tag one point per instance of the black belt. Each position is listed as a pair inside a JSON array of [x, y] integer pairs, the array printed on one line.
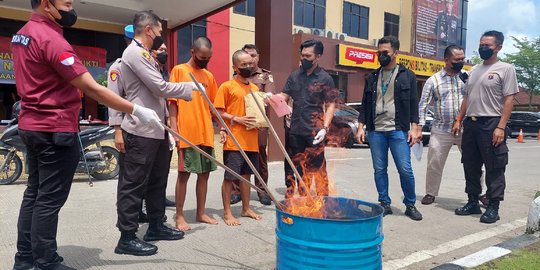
[[476, 118]]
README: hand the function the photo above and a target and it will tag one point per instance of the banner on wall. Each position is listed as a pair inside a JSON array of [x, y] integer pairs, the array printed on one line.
[[351, 56], [438, 25], [93, 58]]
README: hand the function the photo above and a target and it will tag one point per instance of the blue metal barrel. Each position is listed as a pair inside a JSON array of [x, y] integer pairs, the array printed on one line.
[[352, 240]]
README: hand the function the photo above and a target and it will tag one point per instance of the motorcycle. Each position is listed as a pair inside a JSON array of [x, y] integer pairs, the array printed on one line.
[[99, 161]]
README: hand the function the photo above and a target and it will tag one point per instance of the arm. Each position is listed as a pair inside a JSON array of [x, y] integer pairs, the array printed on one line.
[[416, 131], [459, 119], [119, 139], [173, 115], [498, 133], [92, 89], [113, 83], [360, 133], [329, 114]]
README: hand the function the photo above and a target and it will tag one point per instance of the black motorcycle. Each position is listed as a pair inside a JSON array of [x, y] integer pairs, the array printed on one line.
[[99, 161]]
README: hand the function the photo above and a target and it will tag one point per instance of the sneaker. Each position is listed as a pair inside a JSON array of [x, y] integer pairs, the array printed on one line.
[[413, 213], [387, 209], [428, 199]]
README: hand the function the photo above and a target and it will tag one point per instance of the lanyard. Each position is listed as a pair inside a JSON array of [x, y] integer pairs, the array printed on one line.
[[384, 85]]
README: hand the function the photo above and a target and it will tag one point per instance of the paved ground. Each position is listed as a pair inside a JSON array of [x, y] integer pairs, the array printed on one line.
[[87, 233]]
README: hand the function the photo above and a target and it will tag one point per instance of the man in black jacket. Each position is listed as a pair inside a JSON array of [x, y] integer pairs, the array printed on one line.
[[390, 113]]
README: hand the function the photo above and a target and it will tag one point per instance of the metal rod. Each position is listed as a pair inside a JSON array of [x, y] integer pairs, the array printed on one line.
[[280, 145], [242, 152], [90, 183], [213, 159]]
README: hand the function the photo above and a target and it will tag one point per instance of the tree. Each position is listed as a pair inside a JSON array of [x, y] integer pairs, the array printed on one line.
[[475, 59], [527, 63]]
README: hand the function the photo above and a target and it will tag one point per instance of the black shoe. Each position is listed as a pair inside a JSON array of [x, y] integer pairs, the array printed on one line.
[[413, 213], [428, 199], [264, 199], [470, 208], [161, 232], [235, 198], [135, 247], [169, 203], [23, 262], [59, 266], [492, 212], [387, 209]]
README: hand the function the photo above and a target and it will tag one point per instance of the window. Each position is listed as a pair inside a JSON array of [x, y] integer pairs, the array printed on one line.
[[355, 20], [245, 8], [391, 25], [186, 35], [310, 13]]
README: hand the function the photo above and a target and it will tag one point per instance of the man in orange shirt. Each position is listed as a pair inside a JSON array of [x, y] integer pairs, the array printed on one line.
[[230, 104], [193, 121]]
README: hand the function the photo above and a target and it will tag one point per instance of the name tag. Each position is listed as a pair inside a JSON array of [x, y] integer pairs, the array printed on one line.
[[21, 39]]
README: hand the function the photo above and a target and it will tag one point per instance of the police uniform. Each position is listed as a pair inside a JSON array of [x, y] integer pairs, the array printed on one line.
[[264, 80], [45, 64], [147, 149], [113, 83]]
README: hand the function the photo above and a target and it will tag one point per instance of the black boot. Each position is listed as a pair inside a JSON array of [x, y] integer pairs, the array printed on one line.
[[158, 231], [23, 262], [472, 207], [131, 245], [492, 212]]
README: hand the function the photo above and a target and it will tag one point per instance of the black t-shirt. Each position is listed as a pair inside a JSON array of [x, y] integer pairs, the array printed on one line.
[[309, 93]]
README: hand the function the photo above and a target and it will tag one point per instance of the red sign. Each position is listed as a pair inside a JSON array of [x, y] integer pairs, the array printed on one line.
[[359, 56]]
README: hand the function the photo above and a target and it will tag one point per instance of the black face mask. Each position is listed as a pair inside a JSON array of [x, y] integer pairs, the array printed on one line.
[[485, 52], [458, 66], [162, 58], [245, 72], [157, 42], [202, 64], [384, 59], [68, 17], [307, 64]]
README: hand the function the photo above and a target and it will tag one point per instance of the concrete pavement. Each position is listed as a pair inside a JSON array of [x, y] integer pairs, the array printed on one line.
[[87, 234]]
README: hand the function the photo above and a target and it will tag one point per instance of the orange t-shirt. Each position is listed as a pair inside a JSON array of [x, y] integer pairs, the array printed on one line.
[[194, 117], [230, 98]]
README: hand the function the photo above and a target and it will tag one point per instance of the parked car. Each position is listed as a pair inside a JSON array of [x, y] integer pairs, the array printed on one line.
[[426, 129], [344, 126], [529, 122]]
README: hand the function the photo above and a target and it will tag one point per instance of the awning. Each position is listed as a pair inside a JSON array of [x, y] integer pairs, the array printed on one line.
[[176, 12]]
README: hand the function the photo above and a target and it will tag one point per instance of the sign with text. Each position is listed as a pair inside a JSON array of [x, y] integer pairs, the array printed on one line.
[[351, 56], [92, 57], [438, 25]]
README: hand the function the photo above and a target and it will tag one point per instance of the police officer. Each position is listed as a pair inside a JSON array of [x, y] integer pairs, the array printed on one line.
[[147, 151], [263, 79], [48, 75]]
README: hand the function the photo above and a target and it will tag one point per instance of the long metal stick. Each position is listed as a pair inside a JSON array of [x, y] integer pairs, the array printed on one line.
[[280, 145], [213, 159], [90, 183], [242, 152]]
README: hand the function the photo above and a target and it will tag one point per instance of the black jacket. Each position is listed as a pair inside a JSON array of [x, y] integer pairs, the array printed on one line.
[[405, 99]]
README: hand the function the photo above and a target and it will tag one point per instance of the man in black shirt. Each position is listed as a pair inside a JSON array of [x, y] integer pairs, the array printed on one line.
[[312, 90]]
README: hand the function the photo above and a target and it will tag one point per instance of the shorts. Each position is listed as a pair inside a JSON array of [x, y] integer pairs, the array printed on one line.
[[235, 161], [192, 161]]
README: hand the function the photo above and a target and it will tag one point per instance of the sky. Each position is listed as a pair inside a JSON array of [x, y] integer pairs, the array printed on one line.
[[518, 18]]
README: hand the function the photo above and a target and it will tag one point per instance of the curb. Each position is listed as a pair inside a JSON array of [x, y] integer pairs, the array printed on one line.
[[490, 253]]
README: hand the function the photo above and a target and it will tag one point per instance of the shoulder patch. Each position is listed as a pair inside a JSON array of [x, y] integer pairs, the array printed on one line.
[[270, 78], [115, 75], [21, 39], [66, 58], [145, 54]]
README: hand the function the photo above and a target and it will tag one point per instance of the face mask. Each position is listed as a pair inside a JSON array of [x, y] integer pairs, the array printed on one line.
[[202, 64], [68, 17], [485, 52], [307, 64], [384, 59], [157, 42], [245, 72], [162, 58], [457, 66]]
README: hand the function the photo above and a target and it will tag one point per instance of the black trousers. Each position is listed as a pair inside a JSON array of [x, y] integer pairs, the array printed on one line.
[[477, 150], [52, 160], [144, 169], [309, 161]]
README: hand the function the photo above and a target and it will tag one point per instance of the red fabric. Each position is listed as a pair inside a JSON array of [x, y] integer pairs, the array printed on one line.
[[45, 64]]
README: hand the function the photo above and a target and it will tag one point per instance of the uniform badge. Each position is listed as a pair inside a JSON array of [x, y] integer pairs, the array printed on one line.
[[114, 75], [146, 55], [67, 59], [490, 77], [260, 76], [271, 78]]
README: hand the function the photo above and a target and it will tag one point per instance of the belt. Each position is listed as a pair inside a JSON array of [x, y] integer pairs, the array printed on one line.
[[476, 118]]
